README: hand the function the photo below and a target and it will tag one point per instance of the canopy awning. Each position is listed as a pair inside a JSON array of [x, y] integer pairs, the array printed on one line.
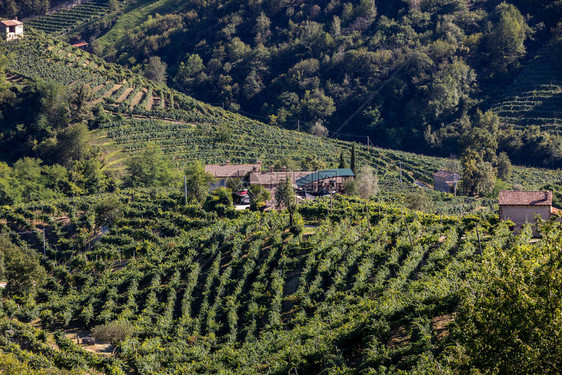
[[323, 175]]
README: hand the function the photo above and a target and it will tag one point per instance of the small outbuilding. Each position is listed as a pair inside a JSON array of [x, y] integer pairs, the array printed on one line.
[[523, 206], [446, 181], [12, 29]]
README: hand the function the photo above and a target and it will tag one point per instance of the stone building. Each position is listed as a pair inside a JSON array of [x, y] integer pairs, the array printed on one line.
[[523, 206], [12, 29], [446, 181]]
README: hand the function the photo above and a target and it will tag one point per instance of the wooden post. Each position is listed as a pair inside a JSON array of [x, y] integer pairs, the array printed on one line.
[[478, 236], [408, 230]]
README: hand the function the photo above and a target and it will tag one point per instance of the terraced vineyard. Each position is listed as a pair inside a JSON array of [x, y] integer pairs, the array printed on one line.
[[118, 89], [536, 96], [194, 129], [65, 20], [210, 294]]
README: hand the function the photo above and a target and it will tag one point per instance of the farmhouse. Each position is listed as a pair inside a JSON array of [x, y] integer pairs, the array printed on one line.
[[224, 172], [307, 183], [12, 29], [446, 181], [523, 206]]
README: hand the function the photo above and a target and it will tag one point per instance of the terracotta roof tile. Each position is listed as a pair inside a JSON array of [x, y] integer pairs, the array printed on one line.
[[525, 198], [12, 23], [231, 170], [444, 174], [274, 178]]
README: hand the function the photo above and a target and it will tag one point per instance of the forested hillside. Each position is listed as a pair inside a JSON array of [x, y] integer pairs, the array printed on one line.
[[410, 74]]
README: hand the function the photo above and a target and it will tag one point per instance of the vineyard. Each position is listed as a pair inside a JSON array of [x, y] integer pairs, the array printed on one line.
[[65, 20], [536, 96], [363, 288], [188, 129]]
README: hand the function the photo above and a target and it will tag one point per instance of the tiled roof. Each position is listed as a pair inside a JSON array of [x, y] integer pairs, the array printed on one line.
[[231, 170], [525, 198], [444, 174], [274, 178], [12, 23]]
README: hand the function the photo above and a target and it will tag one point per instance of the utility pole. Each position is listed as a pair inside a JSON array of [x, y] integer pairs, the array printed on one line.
[[299, 125], [185, 188], [368, 143]]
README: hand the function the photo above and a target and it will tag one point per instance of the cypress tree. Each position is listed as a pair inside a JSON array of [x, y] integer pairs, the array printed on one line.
[[353, 165], [343, 164]]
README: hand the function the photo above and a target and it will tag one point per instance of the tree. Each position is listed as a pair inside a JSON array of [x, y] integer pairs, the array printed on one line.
[[198, 181], [478, 175], [366, 183], [508, 318], [505, 44], [79, 101], [155, 70], [258, 195], [114, 332], [343, 163], [113, 5], [108, 211], [150, 168], [319, 130], [353, 163], [503, 165], [20, 267], [285, 197]]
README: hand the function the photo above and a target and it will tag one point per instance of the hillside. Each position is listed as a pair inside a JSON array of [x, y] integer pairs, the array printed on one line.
[[188, 130], [66, 19], [535, 97], [241, 294], [411, 75]]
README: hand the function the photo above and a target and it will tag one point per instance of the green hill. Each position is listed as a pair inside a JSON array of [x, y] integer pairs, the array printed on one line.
[[188, 129], [535, 98]]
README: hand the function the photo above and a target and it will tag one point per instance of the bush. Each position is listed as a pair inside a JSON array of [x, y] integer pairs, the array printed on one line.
[[298, 224]]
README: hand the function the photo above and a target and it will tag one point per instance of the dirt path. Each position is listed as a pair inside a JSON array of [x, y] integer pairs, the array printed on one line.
[[137, 99], [99, 87], [150, 103], [107, 94], [124, 96], [102, 348]]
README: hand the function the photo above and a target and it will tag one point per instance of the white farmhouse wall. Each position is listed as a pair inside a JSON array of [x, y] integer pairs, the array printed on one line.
[[524, 214]]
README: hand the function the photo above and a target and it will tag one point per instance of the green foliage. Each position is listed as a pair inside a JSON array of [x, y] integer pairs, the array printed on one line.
[[505, 43], [198, 182], [155, 70], [285, 197], [150, 168], [107, 211], [21, 268], [517, 292], [113, 332]]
